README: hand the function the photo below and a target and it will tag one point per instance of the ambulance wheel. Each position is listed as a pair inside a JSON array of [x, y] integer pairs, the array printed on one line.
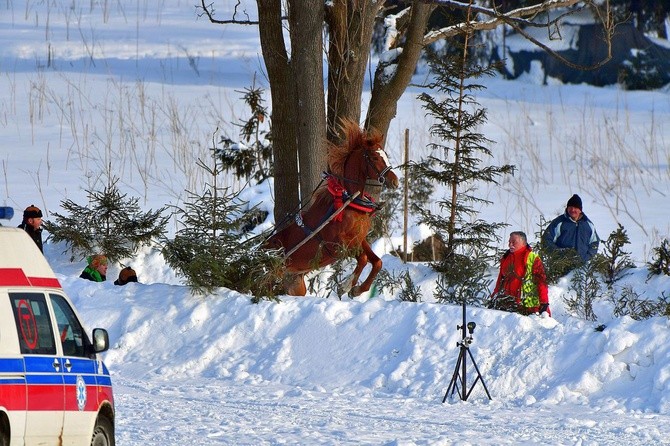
[[103, 433], [4, 430]]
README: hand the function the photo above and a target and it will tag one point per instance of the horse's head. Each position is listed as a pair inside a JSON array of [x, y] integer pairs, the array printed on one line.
[[379, 166]]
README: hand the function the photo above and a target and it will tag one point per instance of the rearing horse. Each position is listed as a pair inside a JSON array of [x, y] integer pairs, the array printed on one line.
[[360, 161]]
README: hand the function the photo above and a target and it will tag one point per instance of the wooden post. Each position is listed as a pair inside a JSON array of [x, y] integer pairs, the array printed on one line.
[[406, 198]]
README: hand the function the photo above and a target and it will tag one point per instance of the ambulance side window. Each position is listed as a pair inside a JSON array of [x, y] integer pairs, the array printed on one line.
[[33, 323], [71, 334]]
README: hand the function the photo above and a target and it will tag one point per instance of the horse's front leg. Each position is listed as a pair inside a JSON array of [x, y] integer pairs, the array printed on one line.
[[367, 255]]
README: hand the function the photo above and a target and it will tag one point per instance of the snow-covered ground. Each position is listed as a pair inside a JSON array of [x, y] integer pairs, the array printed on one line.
[[136, 89]]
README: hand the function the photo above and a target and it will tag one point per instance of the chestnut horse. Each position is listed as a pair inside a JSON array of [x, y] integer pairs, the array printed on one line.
[[359, 162]]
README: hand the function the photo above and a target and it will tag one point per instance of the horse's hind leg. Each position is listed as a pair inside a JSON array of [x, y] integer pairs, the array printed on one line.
[[367, 255], [296, 285]]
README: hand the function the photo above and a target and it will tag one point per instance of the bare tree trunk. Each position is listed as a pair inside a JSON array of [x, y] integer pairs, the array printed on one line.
[[306, 31], [283, 107], [388, 90], [350, 26]]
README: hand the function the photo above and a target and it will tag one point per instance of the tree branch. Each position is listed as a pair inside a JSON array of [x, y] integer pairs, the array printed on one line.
[[498, 17], [523, 17], [209, 11]]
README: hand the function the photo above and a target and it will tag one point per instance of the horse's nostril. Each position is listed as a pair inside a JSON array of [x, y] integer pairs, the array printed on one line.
[[393, 180]]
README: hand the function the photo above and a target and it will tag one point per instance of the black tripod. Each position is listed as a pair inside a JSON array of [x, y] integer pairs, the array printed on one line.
[[461, 367]]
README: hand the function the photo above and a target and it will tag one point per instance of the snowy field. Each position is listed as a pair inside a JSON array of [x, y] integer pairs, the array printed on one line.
[[135, 89]]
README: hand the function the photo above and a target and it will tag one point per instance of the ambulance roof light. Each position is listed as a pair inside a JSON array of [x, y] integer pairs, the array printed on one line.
[[6, 212]]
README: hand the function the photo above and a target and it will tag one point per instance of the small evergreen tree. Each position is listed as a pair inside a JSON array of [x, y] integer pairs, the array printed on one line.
[[408, 290], [209, 250], [630, 303], [614, 261], [456, 163], [111, 224], [388, 282], [251, 158], [464, 279], [663, 305], [660, 263], [338, 272], [586, 285]]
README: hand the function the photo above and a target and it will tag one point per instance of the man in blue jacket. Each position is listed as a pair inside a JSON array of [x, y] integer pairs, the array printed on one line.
[[573, 230]]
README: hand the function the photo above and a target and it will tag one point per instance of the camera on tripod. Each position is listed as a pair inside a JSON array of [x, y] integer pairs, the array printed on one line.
[[467, 340], [460, 371]]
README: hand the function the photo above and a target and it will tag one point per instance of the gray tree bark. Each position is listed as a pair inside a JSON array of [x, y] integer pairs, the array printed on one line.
[[306, 30], [283, 104]]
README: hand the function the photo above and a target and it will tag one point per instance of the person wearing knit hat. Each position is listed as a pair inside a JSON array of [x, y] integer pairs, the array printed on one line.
[[126, 275], [572, 230], [574, 202], [32, 224], [96, 270]]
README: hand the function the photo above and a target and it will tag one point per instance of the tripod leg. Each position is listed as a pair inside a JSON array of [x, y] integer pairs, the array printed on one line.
[[479, 377], [453, 384]]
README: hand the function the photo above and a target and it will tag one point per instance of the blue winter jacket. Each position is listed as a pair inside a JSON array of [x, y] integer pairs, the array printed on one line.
[[564, 232]]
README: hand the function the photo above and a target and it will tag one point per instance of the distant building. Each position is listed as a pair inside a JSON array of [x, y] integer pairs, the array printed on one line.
[[637, 61]]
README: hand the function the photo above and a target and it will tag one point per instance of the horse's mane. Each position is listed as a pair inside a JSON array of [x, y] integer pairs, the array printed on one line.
[[354, 139]]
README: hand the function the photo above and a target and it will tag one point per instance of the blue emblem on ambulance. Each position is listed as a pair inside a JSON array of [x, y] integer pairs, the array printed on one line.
[[81, 393]]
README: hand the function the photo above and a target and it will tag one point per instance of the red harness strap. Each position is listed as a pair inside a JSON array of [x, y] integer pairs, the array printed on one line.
[[337, 191], [340, 195], [361, 206]]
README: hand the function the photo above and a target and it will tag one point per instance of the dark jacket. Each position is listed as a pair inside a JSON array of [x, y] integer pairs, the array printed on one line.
[[580, 235], [36, 235]]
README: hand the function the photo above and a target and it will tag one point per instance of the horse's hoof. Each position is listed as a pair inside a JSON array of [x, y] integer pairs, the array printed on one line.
[[355, 291]]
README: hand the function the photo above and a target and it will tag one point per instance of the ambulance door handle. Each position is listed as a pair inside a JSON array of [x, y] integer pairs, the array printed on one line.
[[68, 366], [56, 364]]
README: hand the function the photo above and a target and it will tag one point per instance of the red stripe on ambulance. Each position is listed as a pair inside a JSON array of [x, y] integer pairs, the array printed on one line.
[[16, 277]]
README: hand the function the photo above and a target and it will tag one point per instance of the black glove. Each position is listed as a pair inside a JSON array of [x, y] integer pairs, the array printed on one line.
[[544, 308]]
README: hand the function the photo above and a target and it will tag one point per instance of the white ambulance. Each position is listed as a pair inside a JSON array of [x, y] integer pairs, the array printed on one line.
[[54, 388]]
